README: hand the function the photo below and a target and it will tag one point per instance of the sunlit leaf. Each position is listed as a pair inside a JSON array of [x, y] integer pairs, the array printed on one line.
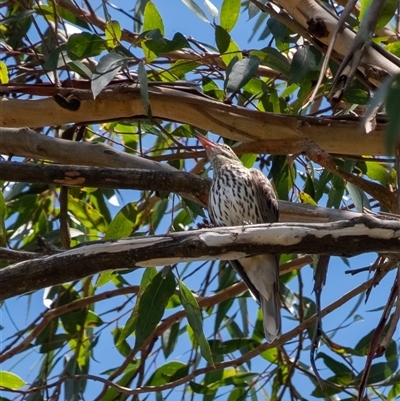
[[3, 73], [10, 380], [123, 223], [230, 10], [113, 33]]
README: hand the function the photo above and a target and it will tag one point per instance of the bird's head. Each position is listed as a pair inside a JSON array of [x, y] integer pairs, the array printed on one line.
[[220, 155]]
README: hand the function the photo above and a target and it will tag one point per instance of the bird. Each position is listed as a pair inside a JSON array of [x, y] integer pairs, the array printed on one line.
[[241, 196]]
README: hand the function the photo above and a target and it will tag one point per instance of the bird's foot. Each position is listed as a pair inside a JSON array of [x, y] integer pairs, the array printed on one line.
[[205, 224]]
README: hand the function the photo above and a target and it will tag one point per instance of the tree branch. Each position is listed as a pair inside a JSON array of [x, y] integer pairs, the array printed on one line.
[[185, 184], [270, 133], [343, 238]]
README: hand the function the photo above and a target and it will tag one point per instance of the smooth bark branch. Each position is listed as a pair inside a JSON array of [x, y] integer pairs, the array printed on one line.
[[311, 15], [28, 143], [136, 179], [270, 133], [343, 238]]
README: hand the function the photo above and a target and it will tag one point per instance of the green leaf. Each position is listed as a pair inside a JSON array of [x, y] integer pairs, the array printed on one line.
[[178, 42], [240, 73], [219, 347], [336, 367], [3, 73], [230, 10], [167, 373], [152, 305], [387, 13], [306, 198], [169, 339], [112, 393], [123, 223], [210, 88], [379, 372], [10, 380], [152, 20], [273, 58], [226, 45], [113, 33], [277, 28], [192, 6], [107, 68], [303, 62], [144, 88], [87, 214], [194, 208], [380, 172], [394, 393], [248, 159], [84, 45], [56, 342], [222, 39], [393, 48], [130, 325], [122, 345], [359, 198], [195, 320], [222, 309]]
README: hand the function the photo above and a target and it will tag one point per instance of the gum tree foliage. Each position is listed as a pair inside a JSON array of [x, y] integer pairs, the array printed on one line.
[[103, 86]]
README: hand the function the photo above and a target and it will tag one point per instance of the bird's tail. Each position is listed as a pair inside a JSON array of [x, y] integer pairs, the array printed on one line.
[[271, 316], [261, 274]]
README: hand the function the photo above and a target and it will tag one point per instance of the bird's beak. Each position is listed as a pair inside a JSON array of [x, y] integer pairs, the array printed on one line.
[[207, 143]]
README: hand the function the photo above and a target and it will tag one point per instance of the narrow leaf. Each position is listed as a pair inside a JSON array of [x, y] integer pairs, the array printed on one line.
[[195, 320], [152, 305], [359, 198], [144, 88], [211, 8], [192, 6]]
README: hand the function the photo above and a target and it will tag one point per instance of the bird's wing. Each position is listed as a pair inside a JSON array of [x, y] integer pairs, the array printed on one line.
[[266, 198], [238, 267]]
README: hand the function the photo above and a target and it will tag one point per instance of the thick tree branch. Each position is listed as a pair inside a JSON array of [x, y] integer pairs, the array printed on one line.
[[175, 181], [310, 14], [270, 133], [344, 238]]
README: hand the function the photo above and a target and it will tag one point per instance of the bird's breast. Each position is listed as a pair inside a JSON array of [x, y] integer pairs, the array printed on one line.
[[232, 200]]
